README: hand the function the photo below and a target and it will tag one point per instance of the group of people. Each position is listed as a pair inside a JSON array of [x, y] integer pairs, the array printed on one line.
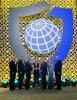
[[25, 68]]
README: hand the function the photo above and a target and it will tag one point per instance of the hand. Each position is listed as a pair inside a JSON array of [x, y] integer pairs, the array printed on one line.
[[59, 73], [12, 72]]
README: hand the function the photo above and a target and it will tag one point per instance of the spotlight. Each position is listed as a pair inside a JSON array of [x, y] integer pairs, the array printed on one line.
[[39, 80], [68, 81], [73, 82], [5, 83], [16, 83], [64, 82]]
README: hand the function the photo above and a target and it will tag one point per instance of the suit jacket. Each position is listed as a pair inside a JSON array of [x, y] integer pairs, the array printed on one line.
[[28, 67], [58, 66], [21, 66], [36, 67], [44, 67], [12, 66]]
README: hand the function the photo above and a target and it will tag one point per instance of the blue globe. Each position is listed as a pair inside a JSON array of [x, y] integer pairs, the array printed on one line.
[[42, 36]]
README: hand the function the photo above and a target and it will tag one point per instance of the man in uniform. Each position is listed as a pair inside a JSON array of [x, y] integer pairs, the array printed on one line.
[[13, 69], [50, 74], [36, 72], [28, 69], [21, 71], [44, 72], [58, 69]]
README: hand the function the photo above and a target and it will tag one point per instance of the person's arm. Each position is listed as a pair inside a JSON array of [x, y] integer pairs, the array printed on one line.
[[16, 66], [37, 66], [60, 67], [33, 66], [30, 66], [25, 66], [41, 67]]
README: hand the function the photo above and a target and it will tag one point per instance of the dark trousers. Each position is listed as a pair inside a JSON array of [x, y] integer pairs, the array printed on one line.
[[27, 82], [58, 79], [36, 77], [44, 81], [20, 80], [12, 79]]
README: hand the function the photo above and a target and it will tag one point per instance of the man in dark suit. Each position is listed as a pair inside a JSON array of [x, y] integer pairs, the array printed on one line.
[[36, 72], [50, 74], [21, 71], [13, 69], [28, 69], [44, 72], [58, 69]]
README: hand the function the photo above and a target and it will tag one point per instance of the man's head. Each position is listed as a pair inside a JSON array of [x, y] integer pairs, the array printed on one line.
[[49, 58], [36, 60], [57, 58], [44, 59], [28, 58], [22, 57], [13, 58]]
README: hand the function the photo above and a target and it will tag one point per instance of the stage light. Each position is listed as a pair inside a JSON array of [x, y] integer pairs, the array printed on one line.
[[73, 82], [68, 81], [5, 83], [40, 80], [16, 83], [64, 82]]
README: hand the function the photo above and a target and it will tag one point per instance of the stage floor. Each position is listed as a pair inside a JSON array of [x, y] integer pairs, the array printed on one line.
[[67, 93]]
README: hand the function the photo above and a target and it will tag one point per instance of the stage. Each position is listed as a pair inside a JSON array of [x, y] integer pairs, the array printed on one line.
[[55, 36], [67, 93]]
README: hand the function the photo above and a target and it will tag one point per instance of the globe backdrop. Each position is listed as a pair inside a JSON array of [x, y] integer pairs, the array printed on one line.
[[42, 36]]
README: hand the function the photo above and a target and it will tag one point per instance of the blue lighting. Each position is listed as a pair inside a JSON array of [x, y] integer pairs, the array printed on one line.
[[16, 82], [65, 14], [5, 81]]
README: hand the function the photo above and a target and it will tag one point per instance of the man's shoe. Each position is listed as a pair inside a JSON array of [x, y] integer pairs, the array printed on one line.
[[58, 88]]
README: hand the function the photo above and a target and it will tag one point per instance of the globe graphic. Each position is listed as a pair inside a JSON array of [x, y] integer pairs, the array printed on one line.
[[42, 36]]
